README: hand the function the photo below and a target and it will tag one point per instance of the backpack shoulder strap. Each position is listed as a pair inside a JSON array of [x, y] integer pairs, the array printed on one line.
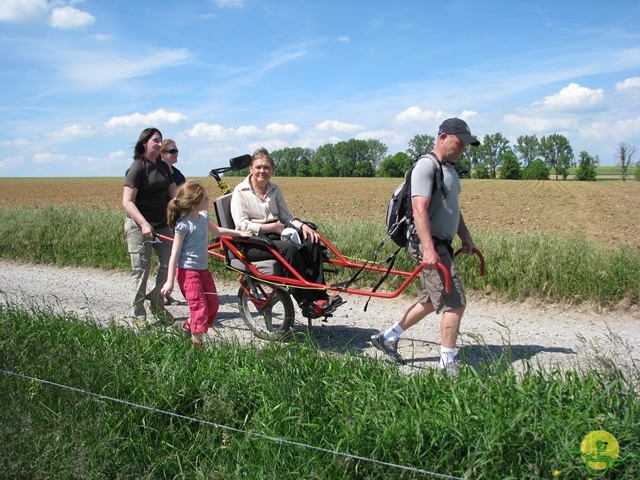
[[438, 176]]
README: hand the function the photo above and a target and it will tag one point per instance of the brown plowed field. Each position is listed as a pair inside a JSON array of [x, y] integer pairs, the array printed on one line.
[[605, 212]]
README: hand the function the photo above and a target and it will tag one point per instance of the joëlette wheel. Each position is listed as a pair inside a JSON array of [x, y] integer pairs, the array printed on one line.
[[274, 319]]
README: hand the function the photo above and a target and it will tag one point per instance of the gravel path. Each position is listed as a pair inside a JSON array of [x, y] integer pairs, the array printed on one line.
[[545, 334]]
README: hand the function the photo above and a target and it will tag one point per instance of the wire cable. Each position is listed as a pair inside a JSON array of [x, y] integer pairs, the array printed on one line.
[[281, 441]]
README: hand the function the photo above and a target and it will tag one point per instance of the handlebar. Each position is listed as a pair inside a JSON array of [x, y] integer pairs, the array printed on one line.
[[475, 251]]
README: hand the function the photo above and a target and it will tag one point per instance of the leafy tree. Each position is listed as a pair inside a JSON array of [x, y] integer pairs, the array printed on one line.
[[492, 151], [474, 155], [536, 170], [364, 168], [557, 153], [395, 166], [527, 148], [481, 171], [420, 144], [324, 163], [350, 153], [357, 157], [625, 154], [463, 166], [377, 152], [637, 173], [587, 167], [304, 168], [510, 167], [288, 159]]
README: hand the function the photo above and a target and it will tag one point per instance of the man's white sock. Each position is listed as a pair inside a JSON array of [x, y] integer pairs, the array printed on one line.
[[446, 355], [393, 332]]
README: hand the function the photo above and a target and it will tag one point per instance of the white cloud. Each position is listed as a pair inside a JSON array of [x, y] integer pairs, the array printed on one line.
[[229, 3], [103, 37], [117, 155], [73, 132], [282, 57], [280, 129], [159, 117], [22, 11], [42, 158], [468, 114], [248, 131], [417, 114], [89, 68], [11, 162], [344, 39], [632, 83], [18, 142], [337, 126], [27, 11], [533, 124], [208, 131], [69, 17], [626, 128], [385, 136], [573, 97]]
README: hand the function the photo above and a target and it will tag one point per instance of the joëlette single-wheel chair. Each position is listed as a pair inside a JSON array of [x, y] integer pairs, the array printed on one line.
[[264, 297]]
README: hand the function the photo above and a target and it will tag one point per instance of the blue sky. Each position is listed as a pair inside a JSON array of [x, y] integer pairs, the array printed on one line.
[[81, 79]]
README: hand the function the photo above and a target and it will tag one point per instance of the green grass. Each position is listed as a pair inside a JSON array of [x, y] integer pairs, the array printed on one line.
[[606, 170], [481, 425], [533, 265]]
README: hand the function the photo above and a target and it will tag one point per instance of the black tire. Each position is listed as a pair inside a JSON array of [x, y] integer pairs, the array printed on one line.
[[272, 322]]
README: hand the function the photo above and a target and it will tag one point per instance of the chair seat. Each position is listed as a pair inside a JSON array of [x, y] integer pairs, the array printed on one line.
[[267, 267]]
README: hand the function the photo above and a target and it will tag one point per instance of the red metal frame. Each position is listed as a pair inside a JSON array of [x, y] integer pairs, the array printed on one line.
[[216, 249], [296, 280]]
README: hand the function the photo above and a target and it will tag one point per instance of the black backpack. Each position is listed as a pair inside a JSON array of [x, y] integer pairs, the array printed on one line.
[[399, 217]]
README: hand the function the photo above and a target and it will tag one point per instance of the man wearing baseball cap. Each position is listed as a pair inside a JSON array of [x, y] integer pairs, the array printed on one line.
[[437, 220]]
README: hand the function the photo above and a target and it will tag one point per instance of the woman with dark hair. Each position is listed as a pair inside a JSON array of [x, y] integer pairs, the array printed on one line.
[[258, 206], [148, 186]]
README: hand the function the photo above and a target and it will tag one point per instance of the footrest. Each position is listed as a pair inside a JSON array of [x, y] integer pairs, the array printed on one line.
[[322, 308]]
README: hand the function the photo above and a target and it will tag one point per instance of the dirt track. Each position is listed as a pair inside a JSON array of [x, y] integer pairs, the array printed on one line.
[[544, 334], [604, 212]]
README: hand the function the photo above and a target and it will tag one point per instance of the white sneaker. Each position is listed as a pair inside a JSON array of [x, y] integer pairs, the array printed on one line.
[[450, 368]]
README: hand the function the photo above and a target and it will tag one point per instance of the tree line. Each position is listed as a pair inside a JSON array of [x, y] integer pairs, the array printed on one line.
[[529, 159]]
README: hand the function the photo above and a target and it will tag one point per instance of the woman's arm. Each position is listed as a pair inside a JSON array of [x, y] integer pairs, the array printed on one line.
[[173, 189], [129, 203]]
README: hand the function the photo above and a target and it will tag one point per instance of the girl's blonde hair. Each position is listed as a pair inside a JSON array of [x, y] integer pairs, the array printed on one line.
[[188, 196]]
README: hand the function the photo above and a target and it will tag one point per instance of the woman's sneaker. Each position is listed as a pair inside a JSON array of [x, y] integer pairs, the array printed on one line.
[[388, 347]]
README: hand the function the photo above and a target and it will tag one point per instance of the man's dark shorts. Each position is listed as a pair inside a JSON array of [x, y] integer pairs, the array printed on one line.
[[433, 282]]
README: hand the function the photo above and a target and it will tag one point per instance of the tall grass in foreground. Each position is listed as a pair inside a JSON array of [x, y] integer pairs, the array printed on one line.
[[535, 265], [478, 426]]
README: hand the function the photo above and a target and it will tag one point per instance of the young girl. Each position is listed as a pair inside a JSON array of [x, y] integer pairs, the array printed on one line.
[[187, 215]]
